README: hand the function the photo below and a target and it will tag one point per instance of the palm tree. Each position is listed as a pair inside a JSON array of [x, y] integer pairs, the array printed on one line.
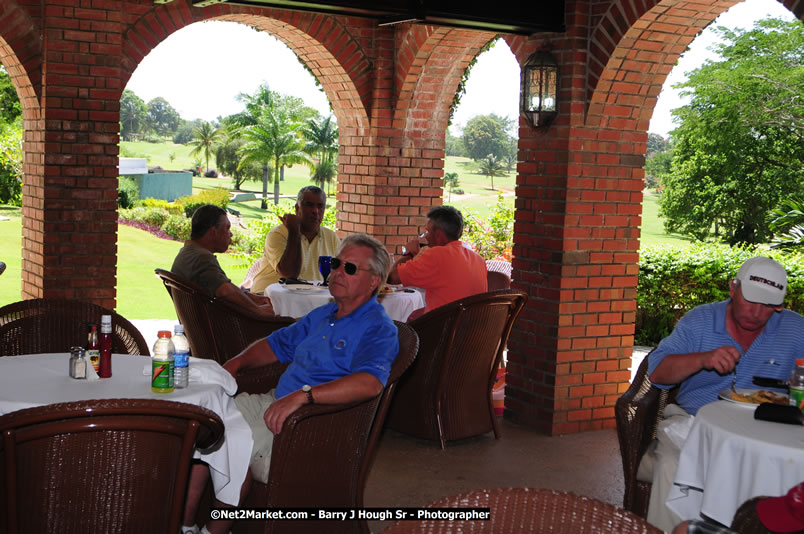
[[491, 166], [451, 181], [205, 137], [272, 139], [322, 141]]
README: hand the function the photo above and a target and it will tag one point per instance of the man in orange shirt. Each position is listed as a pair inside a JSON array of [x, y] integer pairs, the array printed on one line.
[[445, 269]]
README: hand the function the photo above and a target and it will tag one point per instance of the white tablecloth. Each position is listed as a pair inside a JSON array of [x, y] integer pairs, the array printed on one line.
[[730, 457], [290, 303], [39, 379]]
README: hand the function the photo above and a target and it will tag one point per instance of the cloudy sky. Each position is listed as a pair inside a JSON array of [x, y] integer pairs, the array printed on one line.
[[201, 69]]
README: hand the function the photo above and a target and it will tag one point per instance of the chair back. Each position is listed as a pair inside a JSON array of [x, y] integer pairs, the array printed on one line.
[[497, 280], [323, 455], [530, 510], [447, 394], [102, 466], [637, 414], [215, 328], [54, 325]]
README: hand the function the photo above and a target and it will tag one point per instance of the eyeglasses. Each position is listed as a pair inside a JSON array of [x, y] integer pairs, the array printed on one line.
[[348, 267]]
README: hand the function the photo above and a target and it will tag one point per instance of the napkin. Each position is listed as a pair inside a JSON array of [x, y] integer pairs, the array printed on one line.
[[203, 371], [92, 374], [779, 413]]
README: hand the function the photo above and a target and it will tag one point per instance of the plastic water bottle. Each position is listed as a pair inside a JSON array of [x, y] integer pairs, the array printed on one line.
[[162, 363], [181, 358], [797, 385]]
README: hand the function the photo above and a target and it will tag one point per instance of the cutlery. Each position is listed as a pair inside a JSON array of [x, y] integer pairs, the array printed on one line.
[[734, 380]]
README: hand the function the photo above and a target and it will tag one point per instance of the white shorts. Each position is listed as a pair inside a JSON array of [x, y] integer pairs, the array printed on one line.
[[253, 408]]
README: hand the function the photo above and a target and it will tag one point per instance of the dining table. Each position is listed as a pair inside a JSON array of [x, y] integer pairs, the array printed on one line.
[[730, 457], [41, 379], [297, 300]]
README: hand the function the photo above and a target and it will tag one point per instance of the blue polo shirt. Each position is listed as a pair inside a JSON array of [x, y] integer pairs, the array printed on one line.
[[321, 348], [773, 354]]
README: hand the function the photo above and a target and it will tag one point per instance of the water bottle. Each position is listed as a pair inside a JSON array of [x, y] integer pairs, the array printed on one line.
[[797, 385], [162, 363], [181, 358]]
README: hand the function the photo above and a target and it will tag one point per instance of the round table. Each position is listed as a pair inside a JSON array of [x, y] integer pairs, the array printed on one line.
[[40, 379], [730, 457], [299, 302]]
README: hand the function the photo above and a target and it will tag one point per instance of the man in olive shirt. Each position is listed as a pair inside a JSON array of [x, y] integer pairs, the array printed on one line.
[[211, 233], [292, 248]]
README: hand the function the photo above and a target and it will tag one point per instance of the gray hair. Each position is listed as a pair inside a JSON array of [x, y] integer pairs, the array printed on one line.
[[310, 189], [380, 262], [448, 219]]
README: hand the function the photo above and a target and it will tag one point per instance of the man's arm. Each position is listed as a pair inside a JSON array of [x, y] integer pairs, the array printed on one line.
[[675, 368], [237, 296], [350, 388], [412, 248], [257, 354], [290, 263]]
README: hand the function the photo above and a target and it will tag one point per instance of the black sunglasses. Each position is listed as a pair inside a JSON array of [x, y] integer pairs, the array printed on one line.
[[349, 267]]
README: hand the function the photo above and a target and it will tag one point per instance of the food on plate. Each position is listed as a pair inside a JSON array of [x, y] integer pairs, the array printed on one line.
[[387, 290], [759, 396]]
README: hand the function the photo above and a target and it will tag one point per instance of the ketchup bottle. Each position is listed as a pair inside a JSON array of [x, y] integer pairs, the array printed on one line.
[[105, 370]]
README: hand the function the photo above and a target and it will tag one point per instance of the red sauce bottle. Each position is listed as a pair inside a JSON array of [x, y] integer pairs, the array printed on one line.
[[105, 368]]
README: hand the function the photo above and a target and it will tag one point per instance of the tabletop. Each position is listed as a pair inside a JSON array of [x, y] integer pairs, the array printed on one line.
[[298, 301], [40, 379], [730, 457]]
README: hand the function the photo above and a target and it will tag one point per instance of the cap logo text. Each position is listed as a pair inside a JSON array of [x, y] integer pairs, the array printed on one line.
[[754, 278]]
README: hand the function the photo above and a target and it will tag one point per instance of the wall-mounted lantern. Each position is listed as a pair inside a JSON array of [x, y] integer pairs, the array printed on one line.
[[540, 89]]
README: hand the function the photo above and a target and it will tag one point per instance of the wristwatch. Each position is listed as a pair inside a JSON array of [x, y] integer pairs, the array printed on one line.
[[308, 389]]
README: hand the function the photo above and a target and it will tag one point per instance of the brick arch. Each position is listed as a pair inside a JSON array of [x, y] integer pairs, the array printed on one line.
[[322, 42], [21, 55]]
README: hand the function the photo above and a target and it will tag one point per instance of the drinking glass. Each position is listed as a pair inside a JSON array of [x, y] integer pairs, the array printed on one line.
[[325, 266]]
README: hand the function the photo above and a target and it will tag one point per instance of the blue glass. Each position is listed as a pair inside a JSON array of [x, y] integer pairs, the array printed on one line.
[[324, 265]]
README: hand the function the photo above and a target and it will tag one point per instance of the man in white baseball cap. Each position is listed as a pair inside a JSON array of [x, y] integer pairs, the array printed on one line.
[[748, 335]]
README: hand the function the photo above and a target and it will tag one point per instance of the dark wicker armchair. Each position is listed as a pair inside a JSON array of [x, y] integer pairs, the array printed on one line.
[[100, 467], [535, 511], [215, 328], [447, 394], [637, 413], [51, 325], [497, 280], [323, 454]]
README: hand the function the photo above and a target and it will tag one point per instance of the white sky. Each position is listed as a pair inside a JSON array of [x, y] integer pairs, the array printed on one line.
[[201, 69]]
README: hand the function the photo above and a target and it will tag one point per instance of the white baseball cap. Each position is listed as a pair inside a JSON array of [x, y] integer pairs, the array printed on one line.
[[763, 280]]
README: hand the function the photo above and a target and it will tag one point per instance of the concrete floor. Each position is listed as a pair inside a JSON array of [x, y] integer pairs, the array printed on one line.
[[413, 472]]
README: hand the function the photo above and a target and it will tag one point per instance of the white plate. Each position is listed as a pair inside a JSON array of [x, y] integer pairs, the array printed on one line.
[[301, 288], [726, 396]]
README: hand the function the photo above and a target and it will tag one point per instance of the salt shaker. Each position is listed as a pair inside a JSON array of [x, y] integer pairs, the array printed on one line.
[[78, 364]]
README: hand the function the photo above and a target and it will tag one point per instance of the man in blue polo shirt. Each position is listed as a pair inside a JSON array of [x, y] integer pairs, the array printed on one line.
[[341, 352], [748, 335]]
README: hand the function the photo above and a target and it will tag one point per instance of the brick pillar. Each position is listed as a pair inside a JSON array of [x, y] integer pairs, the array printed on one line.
[[70, 218]]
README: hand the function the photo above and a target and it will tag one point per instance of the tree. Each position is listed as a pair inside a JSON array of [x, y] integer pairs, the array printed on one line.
[[787, 222], [484, 135], [228, 159], [205, 138], [451, 182], [10, 107], [656, 143], [11, 163], [491, 166], [184, 133], [739, 146], [322, 141], [133, 114], [162, 118], [657, 166]]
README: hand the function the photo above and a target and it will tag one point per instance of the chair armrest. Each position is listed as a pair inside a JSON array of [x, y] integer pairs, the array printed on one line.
[[260, 379]]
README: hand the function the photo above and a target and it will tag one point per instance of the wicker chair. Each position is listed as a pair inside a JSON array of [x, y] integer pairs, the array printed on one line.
[[49, 325], [215, 328], [637, 413], [447, 394], [497, 280], [536, 511], [323, 454], [102, 466]]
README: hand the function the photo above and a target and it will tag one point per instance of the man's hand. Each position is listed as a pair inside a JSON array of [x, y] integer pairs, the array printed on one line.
[[722, 359], [292, 222], [277, 412], [412, 246]]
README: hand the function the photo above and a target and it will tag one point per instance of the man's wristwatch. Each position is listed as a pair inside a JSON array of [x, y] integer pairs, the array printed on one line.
[[308, 390]]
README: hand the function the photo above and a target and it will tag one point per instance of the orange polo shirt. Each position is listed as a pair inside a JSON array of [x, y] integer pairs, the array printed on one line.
[[447, 273]]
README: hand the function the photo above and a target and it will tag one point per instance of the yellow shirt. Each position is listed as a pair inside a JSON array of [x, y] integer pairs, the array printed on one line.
[[324, 244]]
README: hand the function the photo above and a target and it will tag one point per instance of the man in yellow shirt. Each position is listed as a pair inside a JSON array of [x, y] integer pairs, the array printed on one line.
[[292, 248]]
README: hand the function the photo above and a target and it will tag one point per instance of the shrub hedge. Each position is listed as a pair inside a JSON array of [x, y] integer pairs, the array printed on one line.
[[673, 281]]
